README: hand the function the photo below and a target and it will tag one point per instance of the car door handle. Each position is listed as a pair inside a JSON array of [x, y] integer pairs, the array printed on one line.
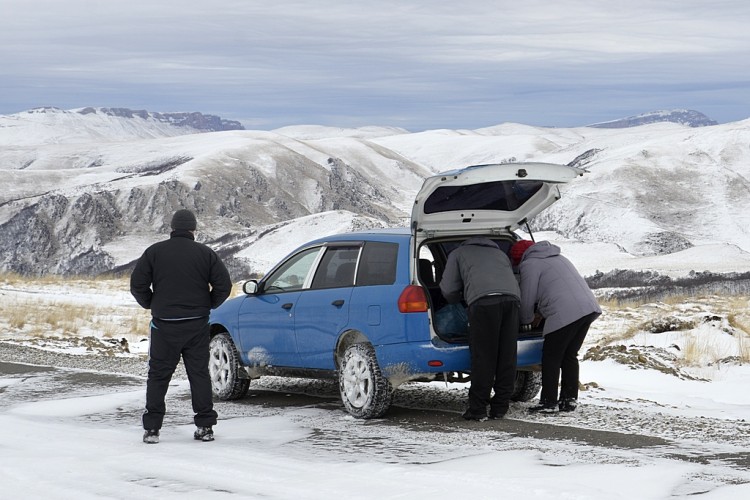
[[287, 306], [338, 303]]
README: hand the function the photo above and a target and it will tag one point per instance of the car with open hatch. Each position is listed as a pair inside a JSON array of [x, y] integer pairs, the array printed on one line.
[[365, 307]]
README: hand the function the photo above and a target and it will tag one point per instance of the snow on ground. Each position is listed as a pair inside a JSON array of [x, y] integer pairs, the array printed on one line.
[[249, 460], [87, 445]]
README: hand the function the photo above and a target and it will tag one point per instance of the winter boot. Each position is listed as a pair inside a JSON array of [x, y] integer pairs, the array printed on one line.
[[151, 436], [203, 434], [498, 412], [544, 408], [477, 415], [568, 404]]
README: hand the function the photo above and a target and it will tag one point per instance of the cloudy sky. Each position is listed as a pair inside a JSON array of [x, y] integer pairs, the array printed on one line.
[[413, 64]]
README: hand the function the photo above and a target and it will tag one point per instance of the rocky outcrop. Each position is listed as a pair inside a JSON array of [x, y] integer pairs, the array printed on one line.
[[63, 233], [194, 120]]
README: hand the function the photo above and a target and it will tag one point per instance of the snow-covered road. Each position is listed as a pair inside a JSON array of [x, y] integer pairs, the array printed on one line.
[[292, 422]]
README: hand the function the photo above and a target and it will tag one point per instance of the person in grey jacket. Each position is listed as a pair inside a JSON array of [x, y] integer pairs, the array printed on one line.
[[480, 274], [553, 290]]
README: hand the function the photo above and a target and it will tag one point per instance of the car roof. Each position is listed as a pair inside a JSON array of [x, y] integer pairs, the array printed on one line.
[[376, 234]]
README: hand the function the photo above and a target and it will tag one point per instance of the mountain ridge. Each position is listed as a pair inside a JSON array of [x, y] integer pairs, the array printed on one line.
[[688, 117], [51, 125]]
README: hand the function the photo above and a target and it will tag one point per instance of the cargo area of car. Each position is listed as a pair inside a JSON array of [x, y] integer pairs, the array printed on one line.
[[450, 321]]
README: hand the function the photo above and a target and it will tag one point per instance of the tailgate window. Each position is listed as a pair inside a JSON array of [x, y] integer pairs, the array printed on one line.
[[506, 196]]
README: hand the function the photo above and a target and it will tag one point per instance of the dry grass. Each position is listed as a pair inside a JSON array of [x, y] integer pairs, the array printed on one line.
[[40, 307], [741, 323], [622, 332], [54, 279], [17, 316], [697, 350], [709, 330]]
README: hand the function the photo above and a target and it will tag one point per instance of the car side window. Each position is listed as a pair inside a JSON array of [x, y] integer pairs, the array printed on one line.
[[378, 264], [292, 273], [337, 267]]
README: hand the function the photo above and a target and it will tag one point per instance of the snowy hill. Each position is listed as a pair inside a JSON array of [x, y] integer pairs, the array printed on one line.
[[87, 199]]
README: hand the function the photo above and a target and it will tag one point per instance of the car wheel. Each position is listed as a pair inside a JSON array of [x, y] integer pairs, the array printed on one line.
[[527, 385], [365, 392], [228, 380]]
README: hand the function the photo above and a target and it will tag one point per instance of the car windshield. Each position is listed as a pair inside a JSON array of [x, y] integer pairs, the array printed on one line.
[[506, 196]]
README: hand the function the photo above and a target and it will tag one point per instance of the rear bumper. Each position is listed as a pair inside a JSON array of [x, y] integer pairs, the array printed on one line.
[[409, 360]]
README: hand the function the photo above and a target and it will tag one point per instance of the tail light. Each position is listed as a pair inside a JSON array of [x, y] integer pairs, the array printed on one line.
[[412, 299]]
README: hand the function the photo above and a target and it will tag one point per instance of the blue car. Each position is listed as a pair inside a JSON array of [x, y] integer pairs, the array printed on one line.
[[365, 307]]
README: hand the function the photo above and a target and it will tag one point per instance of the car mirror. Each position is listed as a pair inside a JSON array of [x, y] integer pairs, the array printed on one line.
[[250, 287]]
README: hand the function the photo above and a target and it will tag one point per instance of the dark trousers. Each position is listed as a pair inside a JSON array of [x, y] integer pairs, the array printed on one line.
[[560, 354], [493, 331], [169, 341]]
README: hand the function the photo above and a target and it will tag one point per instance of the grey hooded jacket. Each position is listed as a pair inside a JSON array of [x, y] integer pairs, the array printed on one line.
[[476, 269], [550, 281]]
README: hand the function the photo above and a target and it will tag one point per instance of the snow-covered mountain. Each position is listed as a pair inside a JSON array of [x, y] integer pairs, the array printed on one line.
[[88, 198], [51, 125], [687, 117]]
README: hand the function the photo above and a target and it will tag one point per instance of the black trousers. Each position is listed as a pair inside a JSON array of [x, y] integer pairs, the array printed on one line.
[[560, 354], [169, 341], [493, 332]]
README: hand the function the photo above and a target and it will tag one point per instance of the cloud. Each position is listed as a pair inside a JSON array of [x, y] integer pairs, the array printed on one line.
[[432, 64]]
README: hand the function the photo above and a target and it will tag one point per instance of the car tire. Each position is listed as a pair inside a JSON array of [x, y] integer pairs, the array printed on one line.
[[365, 392], [228, 379], [527, 385]]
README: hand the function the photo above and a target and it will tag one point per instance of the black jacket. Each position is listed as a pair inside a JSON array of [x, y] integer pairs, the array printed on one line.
[[180, 278]]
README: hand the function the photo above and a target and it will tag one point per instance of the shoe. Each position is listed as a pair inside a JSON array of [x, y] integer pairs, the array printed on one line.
[[568, 404], [478, 416], [498, 411], [203, 434], [151, 436], [544, 408]]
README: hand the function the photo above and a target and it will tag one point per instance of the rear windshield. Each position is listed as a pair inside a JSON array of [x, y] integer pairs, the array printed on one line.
[[506, 196]]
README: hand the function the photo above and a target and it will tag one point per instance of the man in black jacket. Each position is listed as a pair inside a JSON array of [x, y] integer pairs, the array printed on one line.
[[180, 280]]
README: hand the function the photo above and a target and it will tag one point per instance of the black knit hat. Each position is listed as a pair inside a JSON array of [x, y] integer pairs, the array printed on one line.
[[184, 219]]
